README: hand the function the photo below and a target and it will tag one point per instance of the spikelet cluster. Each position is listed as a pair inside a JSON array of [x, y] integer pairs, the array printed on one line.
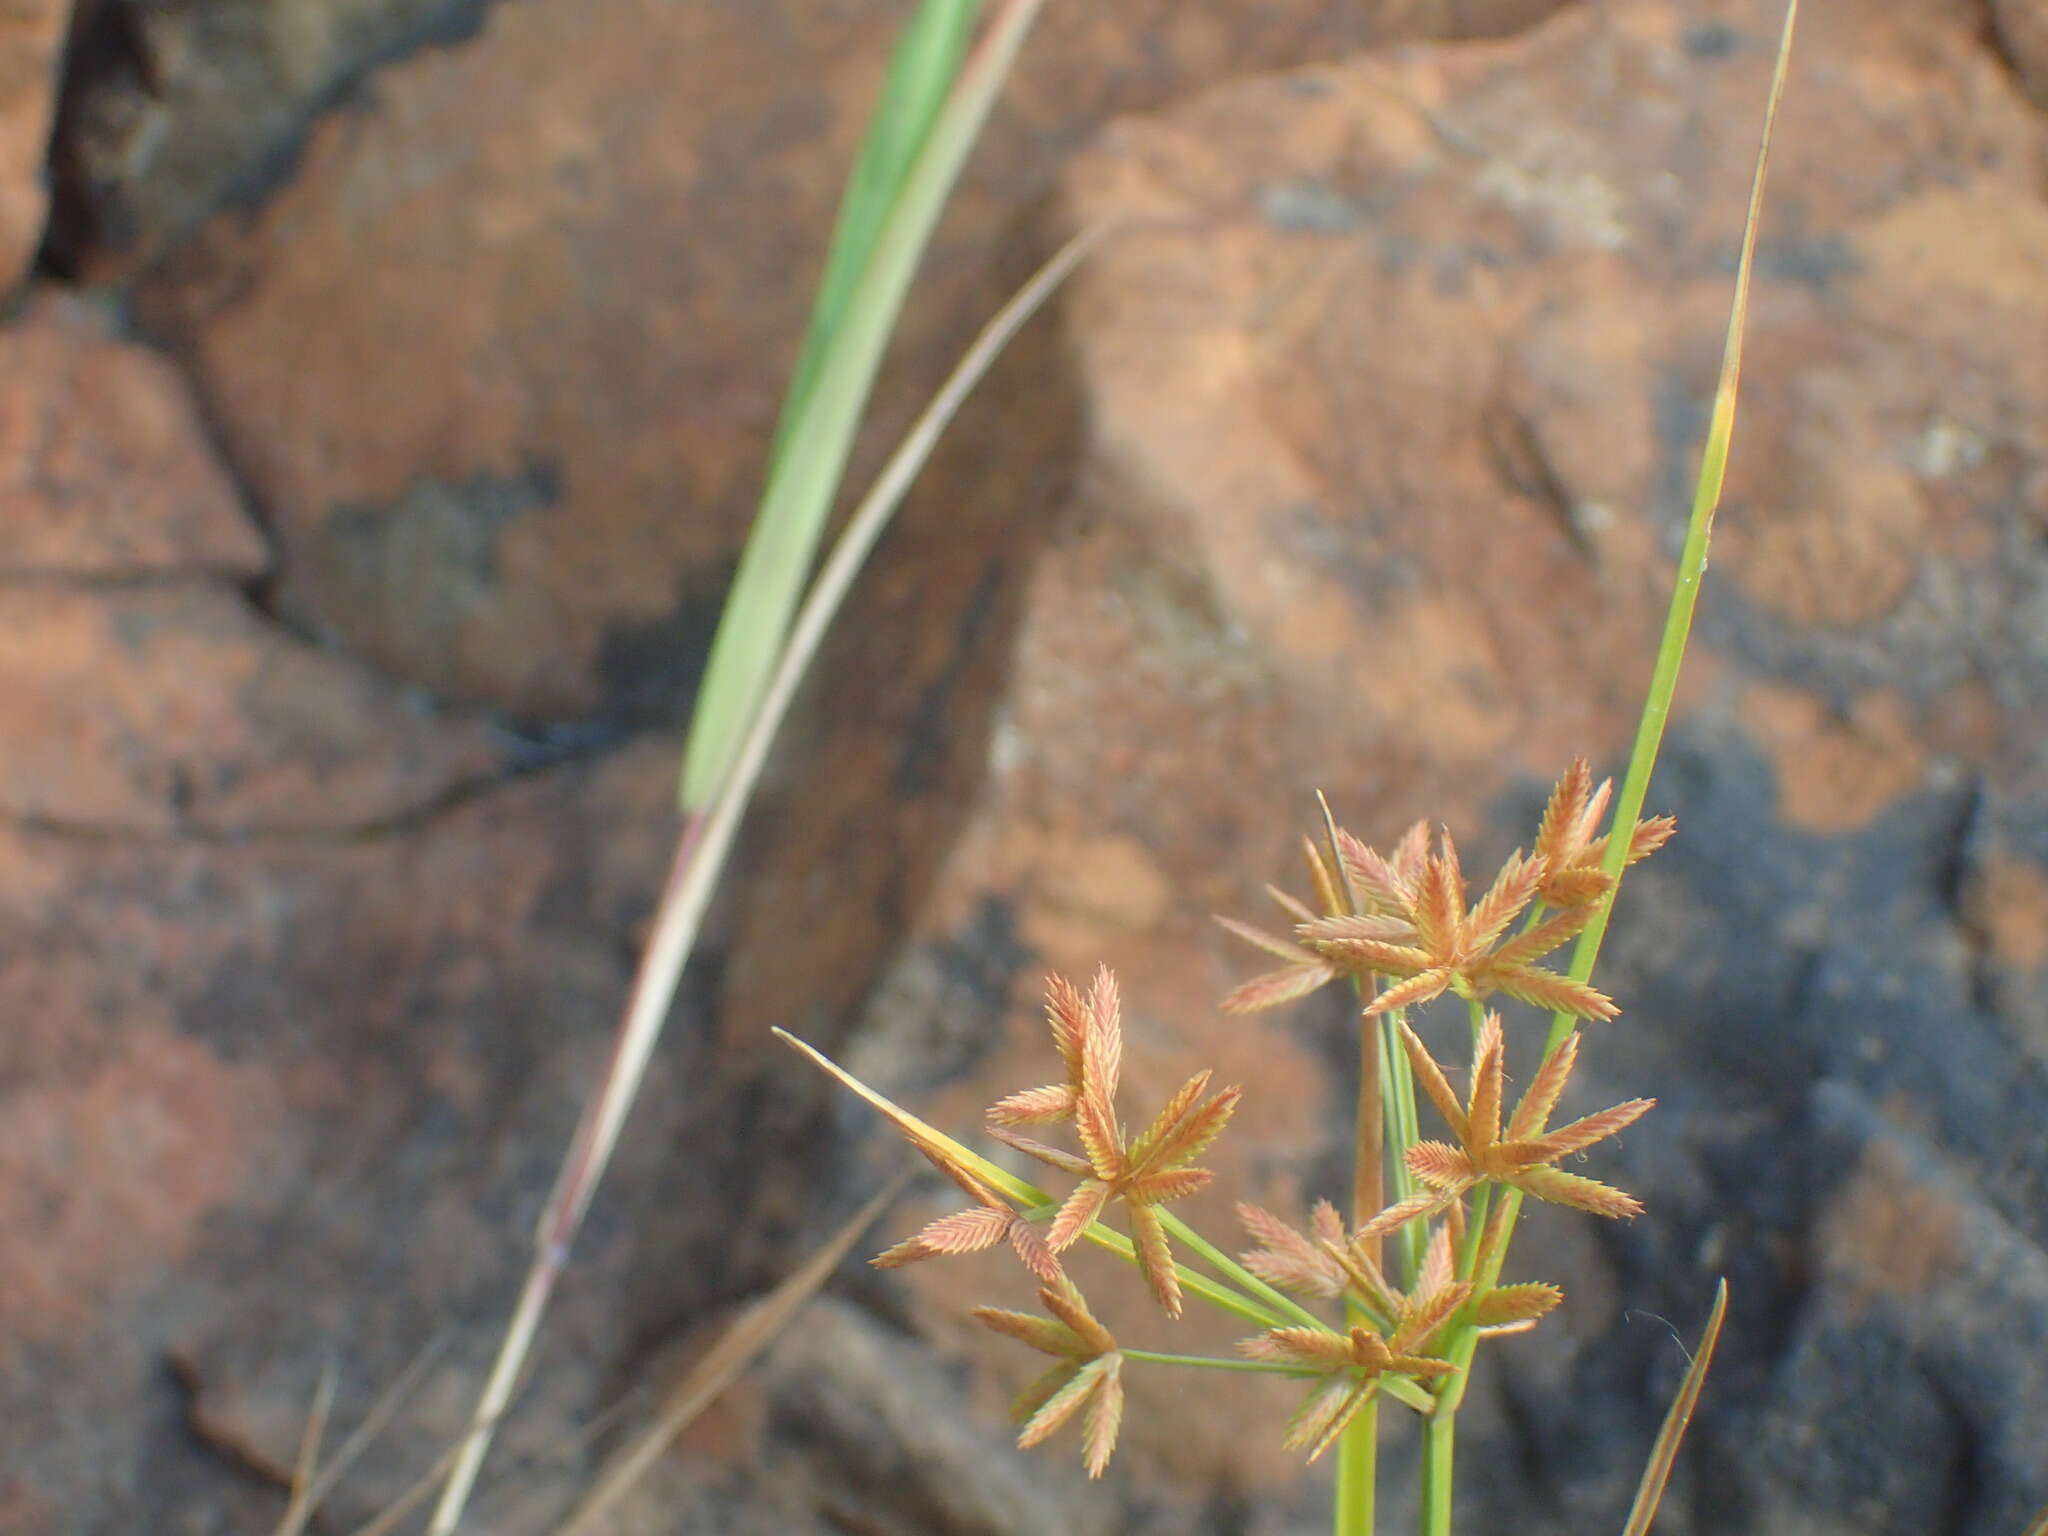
[[1404, 929]]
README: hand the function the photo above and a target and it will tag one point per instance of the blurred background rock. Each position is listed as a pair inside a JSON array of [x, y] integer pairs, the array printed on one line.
[[384, 391]]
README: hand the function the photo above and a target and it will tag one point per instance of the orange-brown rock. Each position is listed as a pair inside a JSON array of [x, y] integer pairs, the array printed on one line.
[[1394, 385], [1356, 463], [501, 359], [31, 48], [105, 469]]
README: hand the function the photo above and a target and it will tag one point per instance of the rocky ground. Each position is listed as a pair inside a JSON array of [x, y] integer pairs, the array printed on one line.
[[380, 404]]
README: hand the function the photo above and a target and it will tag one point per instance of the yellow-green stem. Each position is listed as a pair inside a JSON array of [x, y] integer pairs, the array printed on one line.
[[1215, 1363], [1692, 567], [1235, 1272], [1404, 1129], [1439, 1446], [1357, 1472]]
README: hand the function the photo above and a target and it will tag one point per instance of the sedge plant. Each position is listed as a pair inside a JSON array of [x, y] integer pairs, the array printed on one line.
[[1388, 1294]]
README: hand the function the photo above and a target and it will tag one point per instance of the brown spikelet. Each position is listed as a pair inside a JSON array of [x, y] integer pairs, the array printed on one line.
[[1570, 846], [1433, 1081], [1411, 993], [1052, 1157], [1441, 1167], [1539, 1101], [1033, 1252], [1315, 1348], [1561, 1188], [1509, 1304], [1155, 1259], [1582, 1133], [1174, 1184], [1505, 900], [1289, 1259], [1558, 994], [1080, 1208], [1401, 1212], [1089, 1371], [1559, 836], [1161, 1137], [1482, 1118], [1322, 1418], [1034, 1106], [1105, 1418], [1421, 1322], [963, 1232], [1524, 1160], [1270, 989]]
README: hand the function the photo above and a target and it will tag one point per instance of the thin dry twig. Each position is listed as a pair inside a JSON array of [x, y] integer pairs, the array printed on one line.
[[394, 1397], [299, 1508], [1650, 1492], [753, 1331]]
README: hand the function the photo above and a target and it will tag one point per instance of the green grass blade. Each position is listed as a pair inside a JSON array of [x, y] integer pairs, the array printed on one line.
[[1649, 735], [1692, 561], [804, 478], [1650, 1492], [922, 69]]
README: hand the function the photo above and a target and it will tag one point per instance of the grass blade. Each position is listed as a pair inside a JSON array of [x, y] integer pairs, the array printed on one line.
[[804, 477], [306, 1500], [753, 1331], [922, 68], [298, 1509], [699, 859], [1692, 561], [1650, 1492], [1692, 566]]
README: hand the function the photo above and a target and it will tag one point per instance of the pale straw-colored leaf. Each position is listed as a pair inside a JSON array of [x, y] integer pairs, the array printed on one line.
[[1650, 1492], [759, 1326]]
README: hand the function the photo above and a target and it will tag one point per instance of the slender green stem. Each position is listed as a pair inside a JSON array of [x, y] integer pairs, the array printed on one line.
[[1358, 1451], [1439, 1450], [1404, 1129], [1235, 1272], [1692, 564], [1217, 1363]]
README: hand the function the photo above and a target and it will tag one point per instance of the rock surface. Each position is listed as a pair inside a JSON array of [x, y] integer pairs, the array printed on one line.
[[1355, 463], [1394, 393], [502, 357], [31, 44]]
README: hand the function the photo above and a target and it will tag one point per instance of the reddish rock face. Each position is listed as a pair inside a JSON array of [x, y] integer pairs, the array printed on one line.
[[1355, 463], [104, 468], [31, 42], [1394, 388], [502, 358]]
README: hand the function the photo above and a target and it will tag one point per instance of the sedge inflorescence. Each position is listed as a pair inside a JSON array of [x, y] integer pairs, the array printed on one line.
[[1406, 1286]]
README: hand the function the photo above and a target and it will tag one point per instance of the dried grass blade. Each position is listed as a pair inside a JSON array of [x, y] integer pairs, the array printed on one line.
[[298, 1509], [1650, 1492], [394, 1397], [758, 1327]]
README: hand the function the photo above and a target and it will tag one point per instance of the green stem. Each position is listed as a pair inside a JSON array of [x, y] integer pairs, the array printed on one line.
[[1235, 1272], [1439, 1450], [1403, 1131], [1216, 1363], [1692, 565], [1357, 1472]]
